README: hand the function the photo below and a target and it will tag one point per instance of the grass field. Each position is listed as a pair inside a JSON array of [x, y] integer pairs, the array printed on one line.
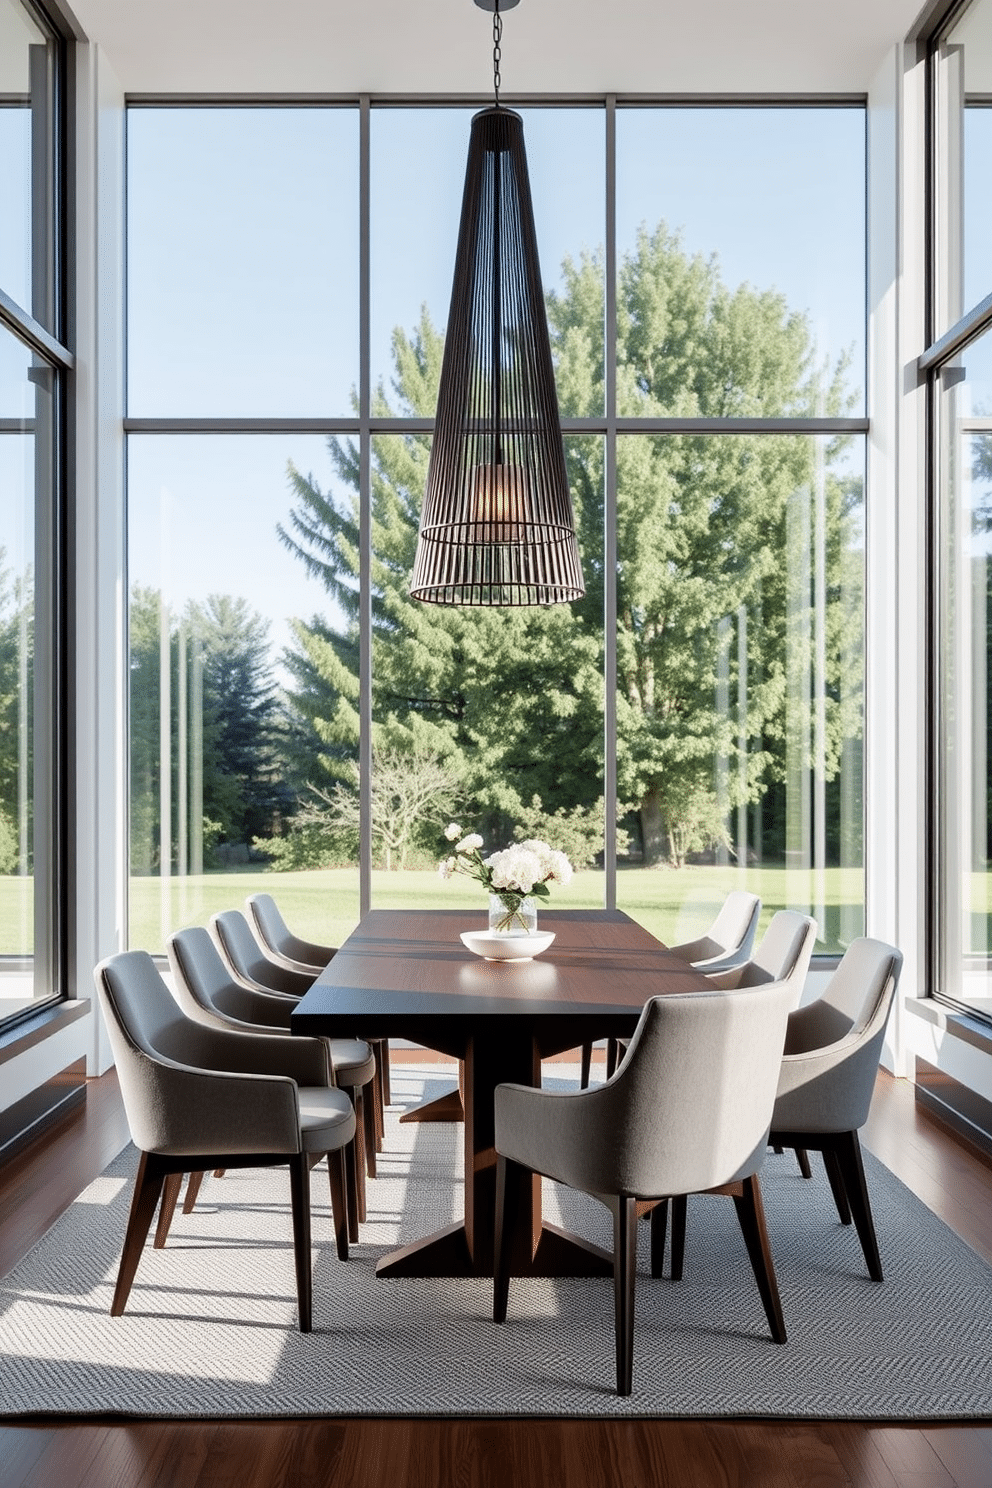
[[323, 904]]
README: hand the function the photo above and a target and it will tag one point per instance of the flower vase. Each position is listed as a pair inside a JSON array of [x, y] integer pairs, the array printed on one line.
[[509, 914]]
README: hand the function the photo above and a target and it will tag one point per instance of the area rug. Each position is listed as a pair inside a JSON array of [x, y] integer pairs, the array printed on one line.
[[210, 1329]]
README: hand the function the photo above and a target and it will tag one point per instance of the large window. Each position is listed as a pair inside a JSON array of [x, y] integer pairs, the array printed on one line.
[[959, 364], [33, 361], [695, 723]]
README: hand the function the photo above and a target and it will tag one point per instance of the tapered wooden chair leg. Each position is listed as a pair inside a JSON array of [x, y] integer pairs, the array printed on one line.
[[837, 1188], [378, 1119], [336, 1171], [508, 1177], [353, 1164], [299, 1181], [848, 1151], [366, 1137], [147, 1188], [387, 1094], [612, 1057], [585, 1060], [802, 1158], [624, 1273], [193, 1184], [361, 1154], [751, 1214], [170, 1197], [679, 1213], [659, 1228]]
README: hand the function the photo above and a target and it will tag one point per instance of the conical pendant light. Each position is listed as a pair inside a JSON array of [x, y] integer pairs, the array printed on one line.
[[497, 525]]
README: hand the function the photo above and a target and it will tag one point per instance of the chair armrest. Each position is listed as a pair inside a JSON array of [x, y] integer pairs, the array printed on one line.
[[554, 1132], [829, 1089], [179, 1111], [211, 1048]]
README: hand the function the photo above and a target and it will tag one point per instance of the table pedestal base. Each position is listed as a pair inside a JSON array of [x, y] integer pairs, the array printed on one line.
[[446, 1253]]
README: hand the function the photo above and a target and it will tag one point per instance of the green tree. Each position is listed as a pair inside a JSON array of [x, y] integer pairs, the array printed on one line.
[[714, 537]]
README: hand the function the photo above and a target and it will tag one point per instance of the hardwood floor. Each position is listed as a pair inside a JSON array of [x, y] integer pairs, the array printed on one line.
[[353, 1453]]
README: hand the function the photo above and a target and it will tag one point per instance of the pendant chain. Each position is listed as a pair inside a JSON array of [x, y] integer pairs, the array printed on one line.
[[497, 51]]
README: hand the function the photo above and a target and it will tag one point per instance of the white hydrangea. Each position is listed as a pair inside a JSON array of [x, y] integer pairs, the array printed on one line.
[[447, 867], [469, 843], [451, 831], [516, 868], [561, 868]]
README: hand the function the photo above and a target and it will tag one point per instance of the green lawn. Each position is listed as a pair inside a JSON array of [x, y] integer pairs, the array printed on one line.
[[323, 904]]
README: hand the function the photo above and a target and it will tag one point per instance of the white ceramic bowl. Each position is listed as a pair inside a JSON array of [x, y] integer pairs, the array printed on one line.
[[506, 947]]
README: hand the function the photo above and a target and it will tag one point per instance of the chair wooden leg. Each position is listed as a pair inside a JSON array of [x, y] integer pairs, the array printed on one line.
[[751, 1214], [378, 1118], [585, 1063], [339, 1200], [299, 1182], [612, 1057], [358, 1142], [147, 1188], [193, 1183], [354, 1166], [367, 1134], [836, 1178], [170, 1197], [679, 1211], [802, 1158], [387, 1094], [659, 1228], [848, 1150], [509, 1176], [624, 1273]]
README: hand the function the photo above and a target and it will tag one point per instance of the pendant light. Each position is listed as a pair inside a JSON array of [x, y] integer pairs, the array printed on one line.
[[497, 527]]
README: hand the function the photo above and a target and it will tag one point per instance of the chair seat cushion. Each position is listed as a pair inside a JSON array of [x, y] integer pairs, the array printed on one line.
[[352, 1060], [327, 1118]]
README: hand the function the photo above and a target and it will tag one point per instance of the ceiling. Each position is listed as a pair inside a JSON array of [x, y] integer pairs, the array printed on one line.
[[444, 46]]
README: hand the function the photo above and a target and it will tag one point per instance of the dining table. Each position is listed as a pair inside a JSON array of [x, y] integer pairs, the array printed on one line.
[[406, 974]]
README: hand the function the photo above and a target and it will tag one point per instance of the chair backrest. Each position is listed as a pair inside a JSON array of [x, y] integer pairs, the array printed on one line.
[[858, 996], [274, 935], [246, 959], [145, 1025], [690, 1106], [734, 927], [204, 984], [784, 952]]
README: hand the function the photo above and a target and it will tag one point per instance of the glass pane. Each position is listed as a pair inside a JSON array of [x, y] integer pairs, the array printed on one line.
[[412, 269], [490, 718], [740, 639], [964, 141], [741, 251], [965, 423], [242, 261], [26, 968], [227, 634], [27, 162]]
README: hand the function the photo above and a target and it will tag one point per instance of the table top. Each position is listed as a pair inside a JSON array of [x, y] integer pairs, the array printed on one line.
[[406, 973]]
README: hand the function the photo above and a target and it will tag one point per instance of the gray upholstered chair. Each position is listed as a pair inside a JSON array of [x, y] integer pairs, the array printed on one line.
[[207, 992], [783, 955], [729, 939], [279, 942], [248, 963], [689, 1108], [727, 943], [832, 1050], [308, 956], [198, 1097]]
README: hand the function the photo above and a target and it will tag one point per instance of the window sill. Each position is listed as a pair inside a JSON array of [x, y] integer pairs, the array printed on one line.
[[40, 1026]]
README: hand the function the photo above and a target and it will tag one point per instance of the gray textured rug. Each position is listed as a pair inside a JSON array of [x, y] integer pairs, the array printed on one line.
[[210, 1327]]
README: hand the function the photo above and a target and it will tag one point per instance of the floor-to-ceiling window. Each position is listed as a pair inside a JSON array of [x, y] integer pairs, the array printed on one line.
[[958, 363], [33, 362], [695, 723]]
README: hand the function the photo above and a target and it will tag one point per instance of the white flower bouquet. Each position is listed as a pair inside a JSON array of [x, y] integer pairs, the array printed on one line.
[[521, 871]]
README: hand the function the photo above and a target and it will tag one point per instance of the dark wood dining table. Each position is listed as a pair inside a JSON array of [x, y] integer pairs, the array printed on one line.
[[406, 974]]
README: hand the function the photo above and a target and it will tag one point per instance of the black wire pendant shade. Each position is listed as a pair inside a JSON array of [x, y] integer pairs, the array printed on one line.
[[497, 525]]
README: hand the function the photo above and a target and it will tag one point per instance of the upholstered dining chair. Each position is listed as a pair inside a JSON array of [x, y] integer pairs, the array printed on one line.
[[726, 943], [829, 1069], [281, 945], [248, 963], [689, 1108], [199, 1097], [207, 991]]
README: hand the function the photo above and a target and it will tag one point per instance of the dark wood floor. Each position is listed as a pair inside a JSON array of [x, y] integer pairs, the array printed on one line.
[[378, 1453]]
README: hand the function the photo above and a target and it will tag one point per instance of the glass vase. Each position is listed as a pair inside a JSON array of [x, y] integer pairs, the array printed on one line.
[[512, 914]]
